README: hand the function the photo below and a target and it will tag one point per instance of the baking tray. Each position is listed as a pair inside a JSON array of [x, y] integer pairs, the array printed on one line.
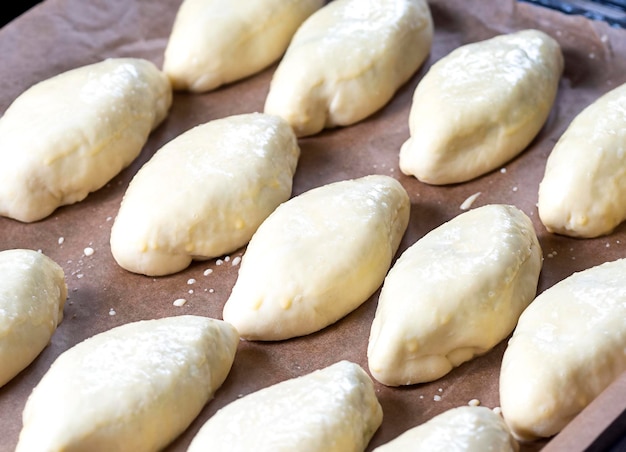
[[58, 35]]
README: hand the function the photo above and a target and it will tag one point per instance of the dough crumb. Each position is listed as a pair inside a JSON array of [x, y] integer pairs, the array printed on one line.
[[219, 262], [191, 281], [112, 312], [503, 170], [497, 410], [208, 271], [474, 402], [469, 201], [179, 302], [88, 251], [236, 261], [437, 398], [61, 240]]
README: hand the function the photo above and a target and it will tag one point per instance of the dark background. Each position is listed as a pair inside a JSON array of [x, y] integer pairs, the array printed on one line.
[[8, 13]]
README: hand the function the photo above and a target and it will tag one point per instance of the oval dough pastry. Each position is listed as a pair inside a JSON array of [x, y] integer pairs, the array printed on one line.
[[317, 258], [480, 106], [214, 42], [568, 346], [453, 295], [133, 388], [462, 429], [347, 60], [204, 193], [69, 135], [334, 409], [583, 191], [32, 296]]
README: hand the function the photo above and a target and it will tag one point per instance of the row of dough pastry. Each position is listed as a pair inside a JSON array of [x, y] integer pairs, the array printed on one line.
[[546, 373], [490, 99], [155, 376], [342, 61], [138, 386], [93, 121]]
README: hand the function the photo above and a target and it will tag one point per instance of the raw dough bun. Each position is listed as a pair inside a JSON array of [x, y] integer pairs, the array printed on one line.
[[317, 258], [347, 60], [69, 135], [214, 42], [463, 429], [480, 106], [568, 346], [32, 296], [204, 193], [453, 295], [583, 191], [329, 410], [133, 388]]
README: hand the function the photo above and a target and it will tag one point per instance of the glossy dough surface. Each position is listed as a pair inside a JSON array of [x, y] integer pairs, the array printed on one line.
[[480, 106], [347, 60], [583, 191], [334, 409], [32, 296], [453, 295], [132, 388], [214, 42], [69, 135], [204, 193], [462, 429], [568, 346], [318, 257]]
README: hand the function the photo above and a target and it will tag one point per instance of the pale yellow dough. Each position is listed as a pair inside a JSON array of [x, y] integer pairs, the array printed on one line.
[[69, 135], [32, 296], [347, 60], [318, 257], [583, 191], [462, 429], [480, 106], [454, 294], [334, 409], [204, 193], [133, 388], [214, 42], [568, 346]]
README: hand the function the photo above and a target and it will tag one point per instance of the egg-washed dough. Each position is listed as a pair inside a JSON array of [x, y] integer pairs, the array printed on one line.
[[204, 193], [569, 345], [133, 388], [334, 409], [69, 135], [32, 296], [583, 191], [214, 42], [317, 258], [454, 294], [462, 429], [480, 106], [347, 60]]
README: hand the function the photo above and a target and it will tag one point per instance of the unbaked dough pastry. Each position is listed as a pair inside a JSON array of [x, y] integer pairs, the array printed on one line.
[[214, 42], [69, 135], [32, 296], [583, 191], [134, 388], [334, 409], [454, 294], [480, 106], [462, 429], [204, 193], [347, 60], [317, 258], [569, 345]]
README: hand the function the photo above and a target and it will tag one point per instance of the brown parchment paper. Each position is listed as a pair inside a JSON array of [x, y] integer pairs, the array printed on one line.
[[58, 35]]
